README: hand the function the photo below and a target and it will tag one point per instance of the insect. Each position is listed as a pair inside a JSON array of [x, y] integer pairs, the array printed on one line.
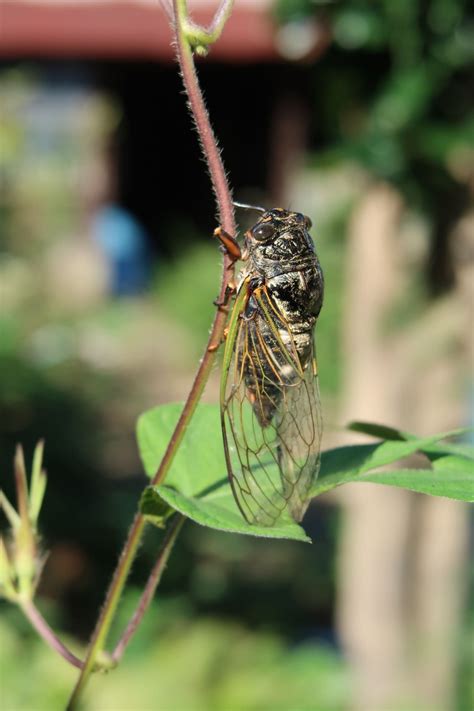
[[270, 406]]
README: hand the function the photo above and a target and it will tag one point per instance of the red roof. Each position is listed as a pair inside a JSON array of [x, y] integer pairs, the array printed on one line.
[[131, 29]]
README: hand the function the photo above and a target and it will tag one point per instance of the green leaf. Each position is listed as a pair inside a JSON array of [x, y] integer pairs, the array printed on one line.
[[197, 484], [453, 482], [385, 432], [461, 449], [375, 430], [37, 484], [217, 509], [201, 445], [352, 464], [453, 462]]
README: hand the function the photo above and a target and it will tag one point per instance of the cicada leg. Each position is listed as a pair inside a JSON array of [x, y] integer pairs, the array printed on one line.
[[229, 244], [223, 304], [214, 346], [232, 249], [247, 311]]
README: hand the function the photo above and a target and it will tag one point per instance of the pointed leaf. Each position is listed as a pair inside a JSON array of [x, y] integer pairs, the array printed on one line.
[[460, 449], [351, 463], [375, 430], [346, 464], [21, 485], [37, 483], [218, 510], [390, 433], [443, 480], [13, 518]]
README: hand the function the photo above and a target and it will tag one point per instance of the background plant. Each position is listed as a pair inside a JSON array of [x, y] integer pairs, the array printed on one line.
[[390, 95]]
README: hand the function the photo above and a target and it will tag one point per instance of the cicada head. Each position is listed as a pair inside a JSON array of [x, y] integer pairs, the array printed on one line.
[[281, 236]]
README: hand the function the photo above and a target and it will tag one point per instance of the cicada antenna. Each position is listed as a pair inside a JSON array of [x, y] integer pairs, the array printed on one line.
[[249, 207]]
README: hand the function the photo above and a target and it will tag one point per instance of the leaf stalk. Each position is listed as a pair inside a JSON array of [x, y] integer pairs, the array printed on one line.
[[37, 620]]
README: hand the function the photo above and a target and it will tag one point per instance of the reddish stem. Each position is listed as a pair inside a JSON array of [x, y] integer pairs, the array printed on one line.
[[44, 630], [203, 125], [149, 590]]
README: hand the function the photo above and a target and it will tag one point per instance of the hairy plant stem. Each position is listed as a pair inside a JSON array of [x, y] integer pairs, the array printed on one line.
[[151, 585], [44, 630], [226, 217], [99, 636], [198, 109]]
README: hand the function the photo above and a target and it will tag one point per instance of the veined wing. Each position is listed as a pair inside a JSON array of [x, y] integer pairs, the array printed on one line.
[[270, 410]]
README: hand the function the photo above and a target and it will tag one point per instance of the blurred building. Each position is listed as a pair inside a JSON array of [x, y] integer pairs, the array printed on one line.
[[258, 70], [138, 29]]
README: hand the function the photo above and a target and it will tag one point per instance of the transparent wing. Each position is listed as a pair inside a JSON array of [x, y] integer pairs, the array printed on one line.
[[271, 413]]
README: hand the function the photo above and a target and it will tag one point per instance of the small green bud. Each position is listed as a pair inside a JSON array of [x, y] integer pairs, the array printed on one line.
[[21, 565], [201, 50]]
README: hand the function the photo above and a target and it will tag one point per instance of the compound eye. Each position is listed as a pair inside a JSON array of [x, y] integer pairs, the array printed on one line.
[[263, 231]]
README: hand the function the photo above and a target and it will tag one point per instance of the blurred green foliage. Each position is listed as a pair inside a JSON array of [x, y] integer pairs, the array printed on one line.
[[329, 240], [177, 662], [187, 284], [394, 93]]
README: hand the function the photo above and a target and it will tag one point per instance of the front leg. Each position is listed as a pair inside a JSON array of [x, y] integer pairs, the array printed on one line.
[[232, 249], [229, 244]]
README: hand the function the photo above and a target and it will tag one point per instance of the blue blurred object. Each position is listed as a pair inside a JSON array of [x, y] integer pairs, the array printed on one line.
[[125, 245]]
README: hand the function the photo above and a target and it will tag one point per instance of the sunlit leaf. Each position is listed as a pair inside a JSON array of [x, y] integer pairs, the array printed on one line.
[[197, 484], [452, 474]]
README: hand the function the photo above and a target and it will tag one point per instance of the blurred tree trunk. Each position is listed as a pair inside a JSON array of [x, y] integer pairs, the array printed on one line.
[[401, 555], [375, 533], [440, 351]]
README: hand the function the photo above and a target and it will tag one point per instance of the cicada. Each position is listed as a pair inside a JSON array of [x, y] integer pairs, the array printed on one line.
[[270, 405]]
